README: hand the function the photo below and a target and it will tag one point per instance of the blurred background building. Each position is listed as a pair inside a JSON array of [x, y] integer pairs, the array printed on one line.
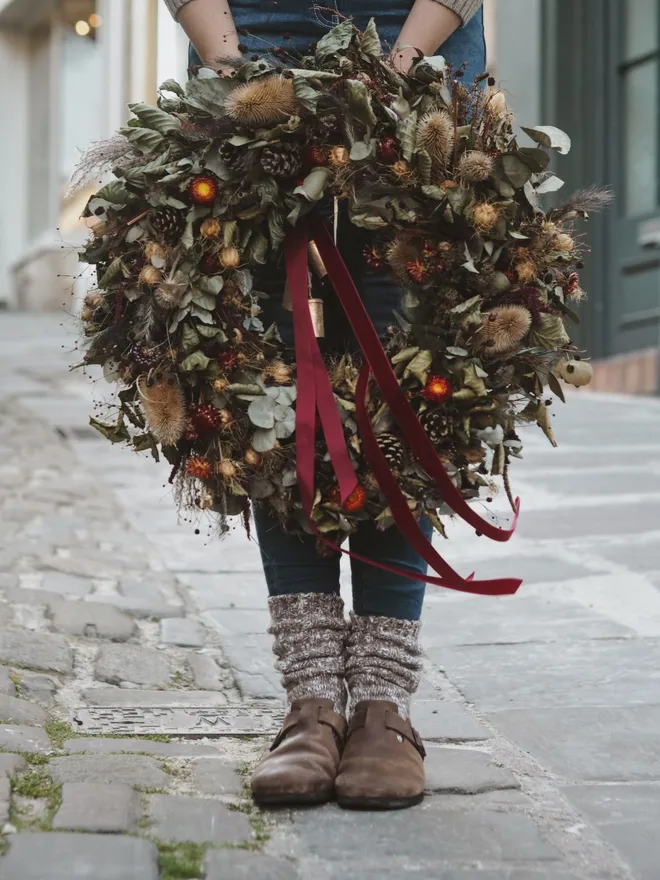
[[69, 67]]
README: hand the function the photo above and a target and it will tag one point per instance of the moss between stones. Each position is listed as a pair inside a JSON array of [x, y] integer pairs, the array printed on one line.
[[60, 731], [180, 861], [35, 784]]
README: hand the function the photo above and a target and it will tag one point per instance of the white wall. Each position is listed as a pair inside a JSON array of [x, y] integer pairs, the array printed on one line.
[[13, 156]]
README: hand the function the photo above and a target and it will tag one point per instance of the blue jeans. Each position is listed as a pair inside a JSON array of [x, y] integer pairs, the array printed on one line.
[[292, 564]]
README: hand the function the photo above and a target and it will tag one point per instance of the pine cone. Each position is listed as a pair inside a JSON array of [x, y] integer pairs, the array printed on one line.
[[281, 160], [168, 223], [233, 157], [437, 425], [392, 448]]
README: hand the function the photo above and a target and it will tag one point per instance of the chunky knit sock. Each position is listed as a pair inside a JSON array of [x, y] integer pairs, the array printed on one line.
[[383, 660], [310, 645]]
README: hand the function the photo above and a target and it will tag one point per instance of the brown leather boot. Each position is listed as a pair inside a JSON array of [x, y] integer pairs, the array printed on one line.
[[304, 757], [382, 767]]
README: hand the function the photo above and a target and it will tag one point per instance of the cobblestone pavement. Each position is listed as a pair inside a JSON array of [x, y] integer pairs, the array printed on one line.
[[136, 686]]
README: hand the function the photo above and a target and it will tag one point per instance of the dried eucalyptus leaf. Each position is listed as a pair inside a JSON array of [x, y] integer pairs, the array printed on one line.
[[195, 361], [313, 186], [517, 171], [336, 40], [359, 102], [550, 137], [261, 412], [264, 439], [405, 355], [261, 488], [550, 334], [370, 42], [407, 132], [189, 338], [285, 427]]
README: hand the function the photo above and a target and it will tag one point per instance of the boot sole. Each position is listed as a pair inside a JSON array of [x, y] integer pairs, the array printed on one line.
[[292, 800], [367, 803]]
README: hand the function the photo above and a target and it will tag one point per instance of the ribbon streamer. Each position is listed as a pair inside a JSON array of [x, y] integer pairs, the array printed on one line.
[[315, 392]]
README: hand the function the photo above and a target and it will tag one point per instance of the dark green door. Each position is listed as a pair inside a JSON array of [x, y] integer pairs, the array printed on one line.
[[602, 85]]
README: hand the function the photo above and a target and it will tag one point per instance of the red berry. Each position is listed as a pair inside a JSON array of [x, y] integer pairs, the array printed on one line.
[[315, 156]]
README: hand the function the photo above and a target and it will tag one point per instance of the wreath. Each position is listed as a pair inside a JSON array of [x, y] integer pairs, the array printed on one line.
[[210, 188]]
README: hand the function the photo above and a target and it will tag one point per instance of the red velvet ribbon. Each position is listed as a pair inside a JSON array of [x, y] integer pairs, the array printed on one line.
[[315, 392]]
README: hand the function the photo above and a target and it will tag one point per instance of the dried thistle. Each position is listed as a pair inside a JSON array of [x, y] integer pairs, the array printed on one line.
[[170, 291], [199, 467], [474, 167], [526, 271], [435, 135], [485, 216], [164, 406], [263, 101], [279, 372], [504, 328], [228, 469]]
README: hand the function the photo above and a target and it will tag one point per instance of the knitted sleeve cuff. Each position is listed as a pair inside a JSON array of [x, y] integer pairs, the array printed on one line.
[[175, 5], [465, 9]]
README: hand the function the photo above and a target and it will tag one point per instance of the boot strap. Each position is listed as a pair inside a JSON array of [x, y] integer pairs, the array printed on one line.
[[394, 722], [325, 716]]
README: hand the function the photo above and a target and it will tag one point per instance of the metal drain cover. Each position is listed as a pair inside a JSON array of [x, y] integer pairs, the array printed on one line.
[[191, 721]]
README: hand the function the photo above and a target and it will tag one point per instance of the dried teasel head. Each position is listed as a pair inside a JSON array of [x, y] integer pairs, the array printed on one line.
[[505, 327], [263, 101], [485, 216], [435, 135], [400, 254], [474, 167], [164, 406]]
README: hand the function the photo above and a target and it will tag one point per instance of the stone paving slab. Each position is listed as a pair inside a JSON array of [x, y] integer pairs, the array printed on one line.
[[101, 746], [117, 663], [65, 583], [225, 864], [440, 836], [206, 672], [10, 765], [7, 685], [91, 620], [464, 771], [38, 687], [504, 619], [214, 776], [44, 651], [108, 808], [105, 696], [178, 819], [590, 743], [15, 711], [79, 857], [628, 817], [137, 770], [21, 738], [586, 673], [443, 720], [182, 631], [142, 608]]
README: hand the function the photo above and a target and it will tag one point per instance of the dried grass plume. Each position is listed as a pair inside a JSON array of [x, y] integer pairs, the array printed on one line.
[[263, 101], [164, 406]]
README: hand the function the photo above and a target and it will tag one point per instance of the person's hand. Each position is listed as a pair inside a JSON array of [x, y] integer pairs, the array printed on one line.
[[403, 57]]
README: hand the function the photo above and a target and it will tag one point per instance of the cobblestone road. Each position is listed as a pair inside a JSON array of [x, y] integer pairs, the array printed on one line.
[[136, 686]]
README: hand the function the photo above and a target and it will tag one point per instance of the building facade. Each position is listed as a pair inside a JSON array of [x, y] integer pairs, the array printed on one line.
[[69, 67]]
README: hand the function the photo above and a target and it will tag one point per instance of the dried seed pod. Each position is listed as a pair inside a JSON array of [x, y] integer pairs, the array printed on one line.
[[211, 228], [230, 258], [339, 157], [576, 373], [474, 167], [150, 276], [485, 216]]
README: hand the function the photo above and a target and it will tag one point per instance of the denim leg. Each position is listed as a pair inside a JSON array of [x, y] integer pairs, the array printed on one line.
[[292, 564], [378, 593]]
